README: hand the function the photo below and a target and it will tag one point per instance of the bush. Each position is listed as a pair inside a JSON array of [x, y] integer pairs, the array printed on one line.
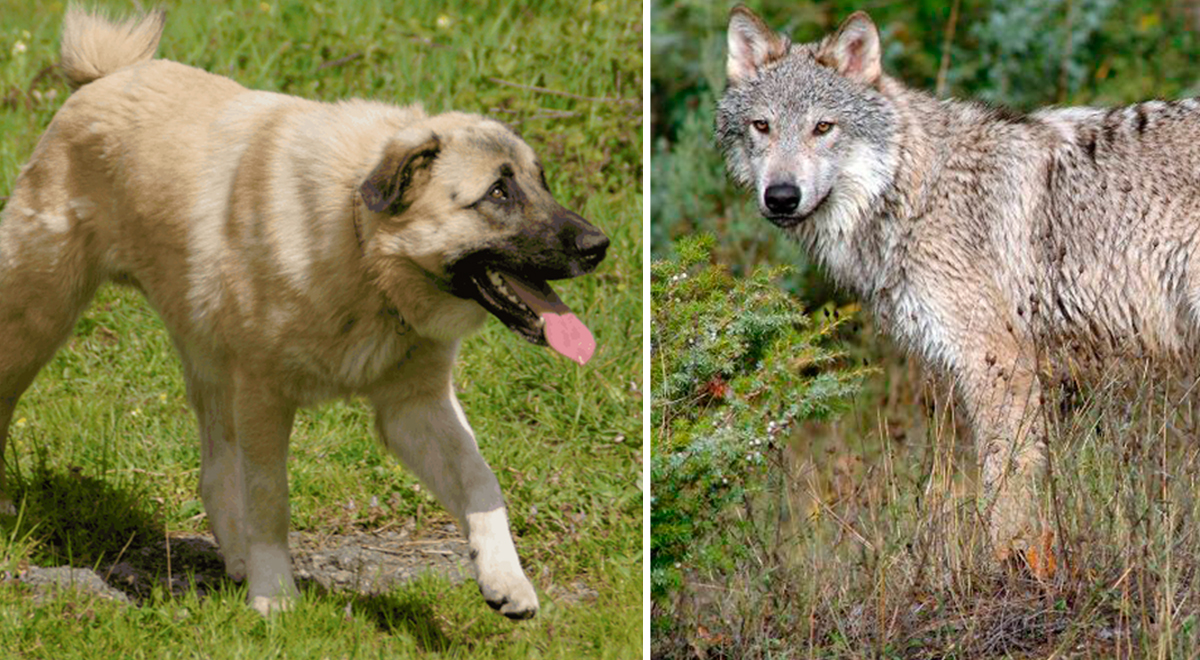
[[737, 364]]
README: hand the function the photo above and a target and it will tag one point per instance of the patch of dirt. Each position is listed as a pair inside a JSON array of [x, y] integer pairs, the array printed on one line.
[[364, 562]]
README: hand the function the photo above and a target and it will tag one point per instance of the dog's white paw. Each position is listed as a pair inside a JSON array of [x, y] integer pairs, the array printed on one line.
[[511, 595], [264, 605]]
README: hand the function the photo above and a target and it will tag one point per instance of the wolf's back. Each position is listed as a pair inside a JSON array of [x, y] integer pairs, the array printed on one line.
[[94, 46]]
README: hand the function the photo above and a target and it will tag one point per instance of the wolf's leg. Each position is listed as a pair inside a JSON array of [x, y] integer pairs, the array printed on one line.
[[431, 435], [261, 423], [1003, 398], [46, 279]]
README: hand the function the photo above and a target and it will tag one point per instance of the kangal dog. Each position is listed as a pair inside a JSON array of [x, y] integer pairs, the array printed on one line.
[[296, 251]]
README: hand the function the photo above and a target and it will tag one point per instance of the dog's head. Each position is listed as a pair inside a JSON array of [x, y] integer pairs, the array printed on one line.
[[805, 125], [466, 200]]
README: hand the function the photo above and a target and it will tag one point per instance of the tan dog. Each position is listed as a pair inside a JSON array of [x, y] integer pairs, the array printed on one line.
[[296, 251]]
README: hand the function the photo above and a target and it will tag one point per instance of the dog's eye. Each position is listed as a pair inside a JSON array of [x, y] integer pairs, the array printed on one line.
[[822, 127], [497, 192], [761, 126]]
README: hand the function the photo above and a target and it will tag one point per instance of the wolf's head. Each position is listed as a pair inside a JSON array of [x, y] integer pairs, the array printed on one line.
[[465, 200], [804, 125]]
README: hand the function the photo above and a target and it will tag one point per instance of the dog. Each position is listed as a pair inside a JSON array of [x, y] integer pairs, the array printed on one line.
[[296, 251], [1012, 252]]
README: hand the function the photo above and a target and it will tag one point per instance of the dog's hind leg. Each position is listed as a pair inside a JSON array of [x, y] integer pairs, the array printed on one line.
[[431, 435], [46, 279], [7, 405]]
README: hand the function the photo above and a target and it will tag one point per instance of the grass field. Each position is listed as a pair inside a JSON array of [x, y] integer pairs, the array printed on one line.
[[103, 454]]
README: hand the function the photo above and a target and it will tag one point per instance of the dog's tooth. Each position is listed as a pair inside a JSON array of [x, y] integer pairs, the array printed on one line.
[[498, 282]]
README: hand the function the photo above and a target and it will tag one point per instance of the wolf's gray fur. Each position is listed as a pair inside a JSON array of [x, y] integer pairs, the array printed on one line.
[[1008, 250]]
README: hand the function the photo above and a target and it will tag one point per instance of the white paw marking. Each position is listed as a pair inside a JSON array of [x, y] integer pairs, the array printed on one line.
[[265, 606]]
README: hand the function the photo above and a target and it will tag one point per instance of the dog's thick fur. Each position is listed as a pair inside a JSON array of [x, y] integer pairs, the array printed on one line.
[[1012, 251], [296, 251]]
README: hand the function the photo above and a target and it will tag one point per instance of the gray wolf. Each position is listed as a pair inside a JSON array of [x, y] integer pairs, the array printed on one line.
[[1014, 252], [296, 251]]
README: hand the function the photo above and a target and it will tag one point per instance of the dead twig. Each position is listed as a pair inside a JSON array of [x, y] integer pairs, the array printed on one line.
[[555, 92], [540, 114], [1063, 78], [947, 41], [411, 544], [119, 555], [339, 61]]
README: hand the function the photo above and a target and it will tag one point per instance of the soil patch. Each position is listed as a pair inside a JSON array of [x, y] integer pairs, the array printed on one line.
[[364, 562]]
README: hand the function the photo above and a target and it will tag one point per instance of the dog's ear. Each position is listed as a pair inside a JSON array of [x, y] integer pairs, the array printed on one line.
[[752, 45], [404, 166], [854, 50]]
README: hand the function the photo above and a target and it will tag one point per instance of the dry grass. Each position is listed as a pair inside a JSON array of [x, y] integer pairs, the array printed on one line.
[[873, 543]]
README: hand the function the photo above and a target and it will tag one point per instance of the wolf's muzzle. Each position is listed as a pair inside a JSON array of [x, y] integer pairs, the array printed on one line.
[[782, 198]]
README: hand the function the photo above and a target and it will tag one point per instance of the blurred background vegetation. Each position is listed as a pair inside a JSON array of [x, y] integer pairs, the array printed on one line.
[[859, 535]]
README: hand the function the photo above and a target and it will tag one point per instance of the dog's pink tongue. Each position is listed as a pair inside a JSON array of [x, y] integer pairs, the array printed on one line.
[[563, 330], [568, 335]]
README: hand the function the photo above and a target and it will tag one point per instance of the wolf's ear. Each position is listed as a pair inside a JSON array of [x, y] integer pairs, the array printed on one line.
[[404, 165], [752, 45], [854, 50]]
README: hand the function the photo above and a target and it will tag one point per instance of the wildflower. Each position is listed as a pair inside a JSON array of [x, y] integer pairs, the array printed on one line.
[[18, 48], [444, 21]]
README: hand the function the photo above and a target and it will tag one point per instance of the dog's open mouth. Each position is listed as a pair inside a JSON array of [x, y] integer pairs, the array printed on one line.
[[533, 310]]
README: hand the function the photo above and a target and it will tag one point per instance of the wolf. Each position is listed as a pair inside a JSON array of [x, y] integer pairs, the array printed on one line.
[[1012, 252], [296, 251]]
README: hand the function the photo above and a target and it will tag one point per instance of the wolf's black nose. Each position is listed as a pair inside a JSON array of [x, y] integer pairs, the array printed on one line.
[[591, 244], [782, 198]]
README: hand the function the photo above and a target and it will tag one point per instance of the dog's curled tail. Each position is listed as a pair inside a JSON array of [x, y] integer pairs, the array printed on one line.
[[94, 46]]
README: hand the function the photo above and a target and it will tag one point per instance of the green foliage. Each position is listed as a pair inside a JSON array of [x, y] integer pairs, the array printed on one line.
[[737, 363], [1017, 56]]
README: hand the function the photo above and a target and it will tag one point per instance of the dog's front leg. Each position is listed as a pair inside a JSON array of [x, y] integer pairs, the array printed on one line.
[[262, 425], [432, 437], [220, 470]]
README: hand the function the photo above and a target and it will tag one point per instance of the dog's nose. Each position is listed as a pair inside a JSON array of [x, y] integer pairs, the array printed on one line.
[[782, 198], [592, 245]]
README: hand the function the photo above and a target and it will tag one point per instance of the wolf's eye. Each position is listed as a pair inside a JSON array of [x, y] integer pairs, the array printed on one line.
[[761, 126], [822, 127], [496, 192]]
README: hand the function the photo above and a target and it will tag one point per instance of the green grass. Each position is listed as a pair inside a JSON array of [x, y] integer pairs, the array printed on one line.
[[104, 448]]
